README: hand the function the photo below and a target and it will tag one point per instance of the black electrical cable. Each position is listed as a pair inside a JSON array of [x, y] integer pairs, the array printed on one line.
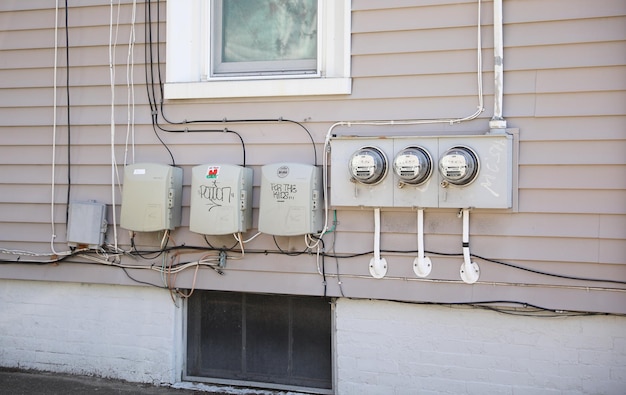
[[156, 107], [218, 249], [287, 252], [537, 311], [69, 129], [141, 282], [547, 273]]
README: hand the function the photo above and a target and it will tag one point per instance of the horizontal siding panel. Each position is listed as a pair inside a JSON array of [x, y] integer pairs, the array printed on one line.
[[363, 88], [613, 251], [566, 32], [582, 80], [412, 18], [516, 11], [564, 153], [416, 86], [252, 133], [492, 247], [414, 41], [613, 227], [482, 223], [426, 63], [31, 232], [572, 201], [572, 128], [93, 56], [98, 13], [565, 56], [573, 177], [25, 213], [361, 5], [579, 104]]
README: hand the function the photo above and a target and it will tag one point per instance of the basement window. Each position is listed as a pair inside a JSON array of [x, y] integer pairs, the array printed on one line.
[[258, 340]]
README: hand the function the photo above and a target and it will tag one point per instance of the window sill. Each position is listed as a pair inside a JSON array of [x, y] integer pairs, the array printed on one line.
[[258, 88]]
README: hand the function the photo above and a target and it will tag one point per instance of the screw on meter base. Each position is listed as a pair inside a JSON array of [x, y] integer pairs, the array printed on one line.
[[368, 166], [459, 166], [413, 165]]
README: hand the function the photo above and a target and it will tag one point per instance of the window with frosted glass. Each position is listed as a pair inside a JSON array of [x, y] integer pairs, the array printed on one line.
[[265, 37]]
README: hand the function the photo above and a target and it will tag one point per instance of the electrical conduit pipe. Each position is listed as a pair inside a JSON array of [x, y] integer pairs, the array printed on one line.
[[378, 265], [422, 264], [469, 270]]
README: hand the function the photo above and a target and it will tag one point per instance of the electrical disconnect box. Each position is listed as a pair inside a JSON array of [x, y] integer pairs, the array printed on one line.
[[221, 199], [291, 200], [422, 172], [151, 198], [87, 224]]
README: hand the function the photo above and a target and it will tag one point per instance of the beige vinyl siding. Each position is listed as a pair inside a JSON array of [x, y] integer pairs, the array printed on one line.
[[565, 89]]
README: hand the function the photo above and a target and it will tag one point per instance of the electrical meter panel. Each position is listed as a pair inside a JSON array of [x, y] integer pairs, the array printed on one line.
[[368, 166], [359, 172], [151, 197], [291, 201], [415, 172], [425, 172], [476, 171], [383, 172], [221, 199], [86, 224]]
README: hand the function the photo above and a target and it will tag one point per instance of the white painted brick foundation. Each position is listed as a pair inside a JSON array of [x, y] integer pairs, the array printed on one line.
[[124, 332], [397, 348], [134, 333]]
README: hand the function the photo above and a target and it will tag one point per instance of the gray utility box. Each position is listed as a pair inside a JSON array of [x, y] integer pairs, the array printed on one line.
[[87, 224]]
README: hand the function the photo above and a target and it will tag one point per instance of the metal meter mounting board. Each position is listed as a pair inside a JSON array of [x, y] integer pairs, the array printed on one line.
[[291, 199], [428, 172], [151, 198], [221, 199]]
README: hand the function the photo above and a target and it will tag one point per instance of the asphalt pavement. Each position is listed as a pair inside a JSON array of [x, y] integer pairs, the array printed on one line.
[[27, 382]]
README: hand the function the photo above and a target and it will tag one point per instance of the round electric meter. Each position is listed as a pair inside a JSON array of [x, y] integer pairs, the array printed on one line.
[[368, 166], [413, 165], [459, 165]]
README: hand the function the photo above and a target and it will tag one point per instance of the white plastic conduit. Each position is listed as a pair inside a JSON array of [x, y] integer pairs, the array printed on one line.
[[378, 265], [469, 270], [421, 265]]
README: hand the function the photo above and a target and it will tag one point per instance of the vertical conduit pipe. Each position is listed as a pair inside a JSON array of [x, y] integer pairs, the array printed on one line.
[[498, 123], [469, 270], [378, 265], [422, 264]]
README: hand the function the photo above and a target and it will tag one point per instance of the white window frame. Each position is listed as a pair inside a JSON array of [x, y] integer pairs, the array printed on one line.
[[188, 58]]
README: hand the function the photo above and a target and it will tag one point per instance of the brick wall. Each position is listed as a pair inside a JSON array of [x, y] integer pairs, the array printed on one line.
[[396, 348], [110, 331]]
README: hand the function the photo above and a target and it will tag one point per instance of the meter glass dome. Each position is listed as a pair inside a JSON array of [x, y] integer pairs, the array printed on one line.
[[368, 166], [459, 165], [413, 165]]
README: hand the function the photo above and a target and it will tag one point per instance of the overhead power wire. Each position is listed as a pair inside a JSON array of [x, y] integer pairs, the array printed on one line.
[[157, 103], [69, 125]]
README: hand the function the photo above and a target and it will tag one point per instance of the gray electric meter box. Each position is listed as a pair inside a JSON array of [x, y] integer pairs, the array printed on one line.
[[151, 198], [221, 199], [291, 200], [86, 224]]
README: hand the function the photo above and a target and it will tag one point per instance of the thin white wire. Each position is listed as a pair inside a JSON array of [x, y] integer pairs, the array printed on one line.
[[451, 121], [54, 132], [54, 122], [112, 47], [246, 241], [130, 84]]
